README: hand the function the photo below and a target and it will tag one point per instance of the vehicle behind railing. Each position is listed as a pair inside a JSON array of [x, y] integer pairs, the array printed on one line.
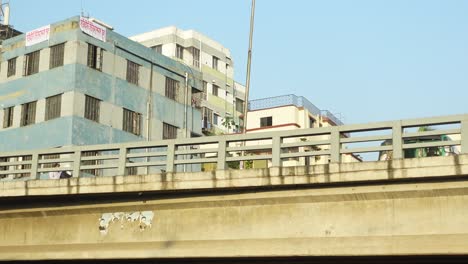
[[302, 147]]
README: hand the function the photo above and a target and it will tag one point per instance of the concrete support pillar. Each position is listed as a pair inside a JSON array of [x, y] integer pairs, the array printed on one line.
[[397, 140], [276, 152], [170, 157], [221, 164], [335, 146]]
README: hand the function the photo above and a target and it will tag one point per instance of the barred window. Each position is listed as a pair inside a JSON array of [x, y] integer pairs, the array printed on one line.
[[239, 105], [57, 53], [131, 122], [215, 62], [53, 107], [196, 57], [179, 52], [216, 119], [169, 131], [172, 88], [11, 67], [133, 70], [207, 115], [95, 57], [28, 113], [266, 121], [31, 63], [205, 90], [215, 90], [92, 108], [8, 117], [158, 49]]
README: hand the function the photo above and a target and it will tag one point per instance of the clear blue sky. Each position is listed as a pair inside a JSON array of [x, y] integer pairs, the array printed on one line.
[[369, 60]]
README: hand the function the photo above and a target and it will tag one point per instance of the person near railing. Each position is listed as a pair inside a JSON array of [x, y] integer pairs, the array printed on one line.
[[54, 175]]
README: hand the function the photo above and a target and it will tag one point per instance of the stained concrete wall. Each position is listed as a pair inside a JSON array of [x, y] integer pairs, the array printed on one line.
[[385, 217], [108, 85]]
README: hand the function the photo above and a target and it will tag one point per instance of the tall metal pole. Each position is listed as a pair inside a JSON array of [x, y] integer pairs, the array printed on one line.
[[249, 59]]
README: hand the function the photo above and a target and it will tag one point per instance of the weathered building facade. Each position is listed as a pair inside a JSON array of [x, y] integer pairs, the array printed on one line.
[[72, 86]]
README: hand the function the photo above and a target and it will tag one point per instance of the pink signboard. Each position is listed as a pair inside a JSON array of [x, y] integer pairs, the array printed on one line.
[[93, 29], [37, 35]]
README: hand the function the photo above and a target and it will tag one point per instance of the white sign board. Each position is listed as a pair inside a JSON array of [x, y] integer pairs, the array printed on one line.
[[37, 35], [93, 29]]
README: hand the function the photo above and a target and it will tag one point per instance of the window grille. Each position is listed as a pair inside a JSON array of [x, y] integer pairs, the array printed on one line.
[[31, 63], [266, 121], [172, 87], [207, 115], [205, 90], [215, 62], [57, 53], [179, 52], [131, 122], [215, 90], [11, 67], [239, 105], [132, 72], [95, 57], [8, 117], [169, 131], [158, 49], [92, 108], [53, 107], [28, 113], [196, 57]]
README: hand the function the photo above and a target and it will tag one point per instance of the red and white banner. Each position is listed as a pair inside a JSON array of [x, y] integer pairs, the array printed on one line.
[[37, 35], [93, 29]]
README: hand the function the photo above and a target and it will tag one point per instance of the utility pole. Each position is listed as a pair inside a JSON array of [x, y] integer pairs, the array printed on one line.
[[249, 60]]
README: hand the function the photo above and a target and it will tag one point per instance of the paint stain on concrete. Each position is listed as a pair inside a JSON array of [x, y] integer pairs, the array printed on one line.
[[124, 219]]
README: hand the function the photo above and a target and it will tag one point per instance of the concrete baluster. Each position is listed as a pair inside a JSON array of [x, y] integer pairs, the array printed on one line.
[[397, 141]]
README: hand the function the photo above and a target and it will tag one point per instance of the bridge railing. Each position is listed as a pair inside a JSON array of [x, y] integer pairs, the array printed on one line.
[[435, 136]]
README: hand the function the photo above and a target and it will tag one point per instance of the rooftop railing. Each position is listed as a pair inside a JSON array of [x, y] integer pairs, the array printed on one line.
[[436, 136]]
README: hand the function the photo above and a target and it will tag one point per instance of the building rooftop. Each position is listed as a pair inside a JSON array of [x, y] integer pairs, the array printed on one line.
[[291, 99]]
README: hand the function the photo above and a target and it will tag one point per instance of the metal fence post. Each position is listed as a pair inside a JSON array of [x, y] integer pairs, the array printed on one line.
[[34, 165], [397, 141], [76, 163], [122, 161], [335, 146], [276, 152], [170, 157], [464, 136], [221, 163]]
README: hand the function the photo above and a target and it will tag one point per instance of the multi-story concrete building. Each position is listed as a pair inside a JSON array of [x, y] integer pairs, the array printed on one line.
[[223, 98], [77, 82], [289, 112]]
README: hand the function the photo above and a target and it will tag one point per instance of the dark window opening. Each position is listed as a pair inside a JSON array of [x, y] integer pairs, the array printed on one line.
[[266, 121], [131, 122], [53, 107], [57, 53], [11, 67], [172, 87], [28, 113], [31, 63], [169, 131], [92, 108], [8, 117], [179, 52], [133, 70], [95, 57]]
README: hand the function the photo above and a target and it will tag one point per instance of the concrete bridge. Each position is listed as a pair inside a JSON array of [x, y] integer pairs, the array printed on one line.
[[390, 211]]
